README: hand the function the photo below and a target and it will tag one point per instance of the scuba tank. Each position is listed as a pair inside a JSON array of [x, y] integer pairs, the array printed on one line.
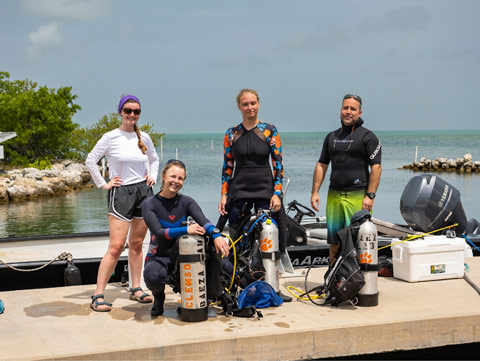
[[268, 242], [193, 285], [367, 250]]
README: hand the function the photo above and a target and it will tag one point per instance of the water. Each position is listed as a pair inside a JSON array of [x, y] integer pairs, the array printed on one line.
[[85, 211]]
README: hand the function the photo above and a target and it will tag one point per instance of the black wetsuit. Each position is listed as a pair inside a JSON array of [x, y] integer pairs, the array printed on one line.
[[351, 155], [165, 218], [248, 153]]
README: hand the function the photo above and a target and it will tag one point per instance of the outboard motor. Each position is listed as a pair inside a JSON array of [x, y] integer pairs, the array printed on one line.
[[429, 203], [193, 285], [367, 250], [268, 241]]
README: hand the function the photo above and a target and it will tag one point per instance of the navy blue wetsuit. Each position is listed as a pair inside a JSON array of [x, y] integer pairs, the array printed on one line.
[[165, 218]]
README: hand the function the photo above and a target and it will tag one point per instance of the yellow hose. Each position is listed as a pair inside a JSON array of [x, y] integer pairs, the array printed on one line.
[[415, 236], [290, 288], [234, 259]]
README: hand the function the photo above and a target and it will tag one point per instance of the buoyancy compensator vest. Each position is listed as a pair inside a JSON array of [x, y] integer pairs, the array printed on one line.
[[344, 279]]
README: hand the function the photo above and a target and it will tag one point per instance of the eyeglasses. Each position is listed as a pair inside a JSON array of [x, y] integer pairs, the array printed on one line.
[[129, 111], [356, 97], [175, 162]]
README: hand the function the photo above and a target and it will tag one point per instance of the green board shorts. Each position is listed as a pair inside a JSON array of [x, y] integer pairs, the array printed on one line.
[[341, 205]]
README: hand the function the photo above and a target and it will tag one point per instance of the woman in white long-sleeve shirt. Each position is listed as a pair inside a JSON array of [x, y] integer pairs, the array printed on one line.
[[133, 168]]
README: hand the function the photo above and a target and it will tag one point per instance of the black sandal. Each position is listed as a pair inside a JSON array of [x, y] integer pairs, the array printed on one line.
[[95, 303], [140, 299]]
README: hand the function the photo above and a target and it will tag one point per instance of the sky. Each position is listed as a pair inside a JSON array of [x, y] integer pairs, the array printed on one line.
[[415, 63]]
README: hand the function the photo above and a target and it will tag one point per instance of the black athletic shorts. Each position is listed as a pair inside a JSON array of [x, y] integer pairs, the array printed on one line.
[[125, 202]]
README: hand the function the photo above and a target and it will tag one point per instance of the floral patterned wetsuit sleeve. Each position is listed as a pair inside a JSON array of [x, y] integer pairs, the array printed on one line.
[[275, 143], [228, 161]]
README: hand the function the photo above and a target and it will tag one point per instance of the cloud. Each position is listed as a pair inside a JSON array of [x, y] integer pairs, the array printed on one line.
[[75, 9], [45, 37], [402, 19]]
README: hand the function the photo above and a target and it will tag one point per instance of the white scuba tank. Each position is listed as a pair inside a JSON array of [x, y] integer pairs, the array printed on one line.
[[193, 286], [367, 251], [268, 242]]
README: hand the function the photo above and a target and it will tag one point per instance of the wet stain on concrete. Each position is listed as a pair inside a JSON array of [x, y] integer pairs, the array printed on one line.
[[57, 309], [282, 324], [140, 313]]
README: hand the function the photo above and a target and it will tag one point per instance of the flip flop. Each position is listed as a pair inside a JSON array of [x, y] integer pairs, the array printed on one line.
[[140, 299], [95, 303]]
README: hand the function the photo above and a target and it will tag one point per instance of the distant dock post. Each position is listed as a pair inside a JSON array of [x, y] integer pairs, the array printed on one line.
[[416, 152]]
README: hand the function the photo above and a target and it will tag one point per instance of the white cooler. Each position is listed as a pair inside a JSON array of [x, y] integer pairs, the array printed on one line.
[[432, 258]]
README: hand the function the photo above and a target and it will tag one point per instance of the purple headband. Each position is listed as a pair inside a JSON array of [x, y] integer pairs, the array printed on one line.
[[124, 100]]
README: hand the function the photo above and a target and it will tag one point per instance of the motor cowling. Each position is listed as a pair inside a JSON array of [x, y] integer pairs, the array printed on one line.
[[428, 203], [193, 285], [269, 248], [367, 250]]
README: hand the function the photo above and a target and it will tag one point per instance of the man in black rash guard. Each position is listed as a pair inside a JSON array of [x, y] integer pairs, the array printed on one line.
[[165, 215], [352, 150]]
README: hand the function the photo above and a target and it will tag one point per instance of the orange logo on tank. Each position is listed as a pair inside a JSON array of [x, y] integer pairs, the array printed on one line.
[[265, 244], [365, 258]]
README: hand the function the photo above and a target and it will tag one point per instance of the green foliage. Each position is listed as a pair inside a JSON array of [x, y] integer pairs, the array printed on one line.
[[84, 139], [41, 163], [41, 117]]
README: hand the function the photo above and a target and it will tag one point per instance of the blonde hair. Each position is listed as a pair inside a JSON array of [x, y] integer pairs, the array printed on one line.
[[243, 91], [141, 145], [170, 163]]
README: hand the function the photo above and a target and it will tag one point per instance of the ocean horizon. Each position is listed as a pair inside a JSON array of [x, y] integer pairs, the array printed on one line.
[[85, 211]]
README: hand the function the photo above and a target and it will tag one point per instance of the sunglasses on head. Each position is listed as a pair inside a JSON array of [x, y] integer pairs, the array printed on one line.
[[176, 161], [129, 111], [356, 97]]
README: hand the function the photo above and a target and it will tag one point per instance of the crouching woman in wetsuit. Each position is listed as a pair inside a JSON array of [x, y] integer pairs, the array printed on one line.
[[165, 215]]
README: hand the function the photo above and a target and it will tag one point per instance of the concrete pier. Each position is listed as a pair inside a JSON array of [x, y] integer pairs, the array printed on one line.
[[57, 323]]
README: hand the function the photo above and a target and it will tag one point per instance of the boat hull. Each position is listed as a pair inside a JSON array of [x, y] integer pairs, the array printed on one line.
[[83, 245]]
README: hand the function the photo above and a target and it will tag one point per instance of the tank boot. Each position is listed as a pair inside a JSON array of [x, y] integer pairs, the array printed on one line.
[[285, 298], [158, 301]]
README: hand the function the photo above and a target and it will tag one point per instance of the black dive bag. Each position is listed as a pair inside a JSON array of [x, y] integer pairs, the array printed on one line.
[[344, 279]]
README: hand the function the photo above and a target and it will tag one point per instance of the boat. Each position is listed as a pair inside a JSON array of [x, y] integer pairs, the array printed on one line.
[[43, 261], [430, 206]]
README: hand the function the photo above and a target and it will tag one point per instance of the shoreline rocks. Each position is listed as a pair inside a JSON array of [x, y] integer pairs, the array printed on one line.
[[24, 184], [458, 165]]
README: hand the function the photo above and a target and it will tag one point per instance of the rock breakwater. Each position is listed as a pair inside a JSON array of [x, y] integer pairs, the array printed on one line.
[[459, 165], [28, 183]]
